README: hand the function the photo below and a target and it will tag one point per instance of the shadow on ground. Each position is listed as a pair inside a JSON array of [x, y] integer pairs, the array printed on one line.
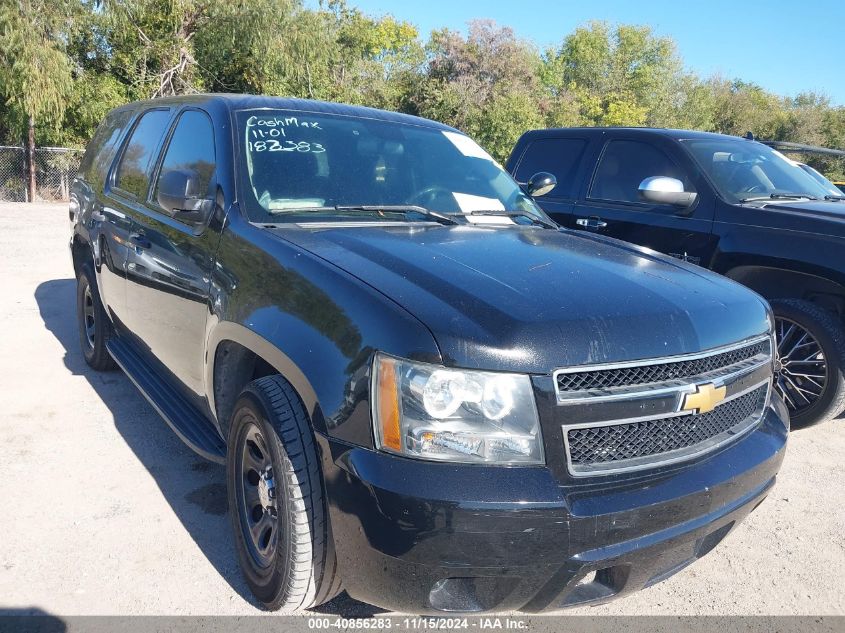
[[29, 620], [194, 487]]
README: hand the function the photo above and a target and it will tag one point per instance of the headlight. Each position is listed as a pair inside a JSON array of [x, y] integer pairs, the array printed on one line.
[[431, 412]]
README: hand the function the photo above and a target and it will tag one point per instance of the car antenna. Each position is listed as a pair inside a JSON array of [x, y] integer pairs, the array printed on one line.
[[749, 136]]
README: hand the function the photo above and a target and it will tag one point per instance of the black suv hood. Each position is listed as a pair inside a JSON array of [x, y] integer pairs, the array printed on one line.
[[526, 299], [812, 216]]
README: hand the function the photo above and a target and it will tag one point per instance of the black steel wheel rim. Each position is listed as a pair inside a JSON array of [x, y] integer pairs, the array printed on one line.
[[802, 372], [88, 320], [258, 508]]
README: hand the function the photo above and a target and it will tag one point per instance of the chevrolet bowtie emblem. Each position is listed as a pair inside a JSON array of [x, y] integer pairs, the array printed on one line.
[[704, 399]]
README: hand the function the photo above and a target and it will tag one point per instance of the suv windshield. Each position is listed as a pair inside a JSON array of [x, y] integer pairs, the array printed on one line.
[[743, 170], [299, 162]]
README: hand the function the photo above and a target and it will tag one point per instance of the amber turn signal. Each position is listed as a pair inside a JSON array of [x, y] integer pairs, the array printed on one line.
[[388, 404]]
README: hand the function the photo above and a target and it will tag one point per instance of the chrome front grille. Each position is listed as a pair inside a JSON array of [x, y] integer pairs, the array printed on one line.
[[599, 448], [698, 403], [592, 379]]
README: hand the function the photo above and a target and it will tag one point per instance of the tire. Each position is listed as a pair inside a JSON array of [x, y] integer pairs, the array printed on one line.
[[279, 517], [823, 372], [93, 323]]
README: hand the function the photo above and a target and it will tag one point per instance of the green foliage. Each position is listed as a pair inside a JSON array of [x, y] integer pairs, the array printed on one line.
[[485, 84], [91, 98], [35, 71], [67, 62], [621, 75], [740, 107], [234, 48], [338, 54]]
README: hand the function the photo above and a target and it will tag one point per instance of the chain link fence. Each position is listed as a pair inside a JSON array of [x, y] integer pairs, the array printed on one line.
[[55, 168]]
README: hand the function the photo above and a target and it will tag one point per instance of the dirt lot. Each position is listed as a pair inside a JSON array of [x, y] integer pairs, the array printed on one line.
[[105, 511]]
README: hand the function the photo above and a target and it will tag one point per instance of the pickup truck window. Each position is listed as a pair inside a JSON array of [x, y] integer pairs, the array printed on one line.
[[559, 156], [299, 160], [133, 173], [191, 147], [625, 164], [742, 170]]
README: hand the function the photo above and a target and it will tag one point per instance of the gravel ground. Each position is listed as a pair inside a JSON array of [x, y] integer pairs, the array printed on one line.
[[105, 511]]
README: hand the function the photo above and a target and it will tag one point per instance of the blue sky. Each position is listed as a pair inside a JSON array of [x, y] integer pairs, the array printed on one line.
[[785, 46]]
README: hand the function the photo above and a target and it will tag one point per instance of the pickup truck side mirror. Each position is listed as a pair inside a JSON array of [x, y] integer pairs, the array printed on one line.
[[540, 184], [665, 190], [178, 194]]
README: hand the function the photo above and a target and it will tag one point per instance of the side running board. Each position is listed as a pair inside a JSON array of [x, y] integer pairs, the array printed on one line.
[[190, 425]]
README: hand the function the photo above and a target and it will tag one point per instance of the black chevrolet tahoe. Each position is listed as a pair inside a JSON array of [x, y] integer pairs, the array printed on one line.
[[424, 391], [729, 204]]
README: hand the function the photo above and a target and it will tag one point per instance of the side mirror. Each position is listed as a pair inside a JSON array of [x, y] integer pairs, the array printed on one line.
[[540, 184], [665, 190], [178, 193]]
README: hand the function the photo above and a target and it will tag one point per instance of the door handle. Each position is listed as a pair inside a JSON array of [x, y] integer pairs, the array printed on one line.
[[140, 240], [593, 222]]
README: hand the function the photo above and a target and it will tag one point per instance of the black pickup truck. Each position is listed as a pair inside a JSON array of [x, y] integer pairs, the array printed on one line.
[[424, 391], [729, 204]]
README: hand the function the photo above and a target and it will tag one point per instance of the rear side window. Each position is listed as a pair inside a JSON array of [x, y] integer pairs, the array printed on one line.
[[96, 143], [625, 164], [133, 173], [102, 147], [191, 147], [559, 156]]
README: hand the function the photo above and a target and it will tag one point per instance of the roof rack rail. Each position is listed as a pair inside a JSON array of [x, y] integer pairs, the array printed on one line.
[[785, 146]]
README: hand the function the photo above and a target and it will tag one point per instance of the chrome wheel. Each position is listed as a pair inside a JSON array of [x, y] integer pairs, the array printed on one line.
[[258, 505], [802, 371], [89, 322]]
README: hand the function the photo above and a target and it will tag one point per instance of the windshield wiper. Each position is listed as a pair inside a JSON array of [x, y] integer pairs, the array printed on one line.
[[404, 209], [516, 214], [377, 209], [834, 197], [780, 196]]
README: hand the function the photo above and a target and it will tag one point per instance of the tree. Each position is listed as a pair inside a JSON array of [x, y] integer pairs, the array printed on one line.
[[485, 84], [336, 53], [151, 45], [740, 107], [65, 63], [805, 119], [35, 72], [234, 48], [622, 75]]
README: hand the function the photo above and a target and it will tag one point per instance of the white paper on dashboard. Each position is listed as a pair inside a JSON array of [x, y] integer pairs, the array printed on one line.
[[467, 146], [489, 219], [468, 203]]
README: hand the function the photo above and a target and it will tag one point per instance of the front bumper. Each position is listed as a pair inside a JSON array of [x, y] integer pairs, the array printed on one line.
[[423, 537]]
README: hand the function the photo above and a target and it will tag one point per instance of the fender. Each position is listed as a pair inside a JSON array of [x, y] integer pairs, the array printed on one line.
[[779, 283], [229, 331], [821, 255], [268, 295]]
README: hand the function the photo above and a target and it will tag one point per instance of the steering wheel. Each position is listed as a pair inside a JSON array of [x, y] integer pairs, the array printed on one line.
[[753, 189], [424, 197]]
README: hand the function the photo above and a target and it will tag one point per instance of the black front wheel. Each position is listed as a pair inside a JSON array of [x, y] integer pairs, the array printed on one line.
[[276, 499], [810, 361]]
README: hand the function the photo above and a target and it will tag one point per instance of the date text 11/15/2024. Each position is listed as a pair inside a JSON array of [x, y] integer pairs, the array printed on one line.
[[419, 623]]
